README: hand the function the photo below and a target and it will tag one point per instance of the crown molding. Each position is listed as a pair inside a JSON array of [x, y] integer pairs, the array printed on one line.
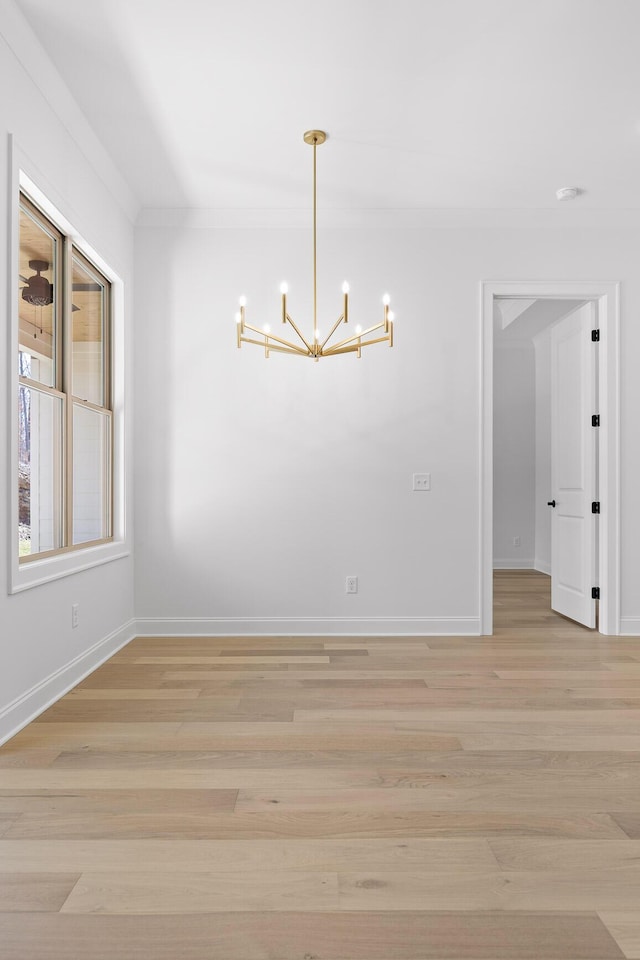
[[387, 218]]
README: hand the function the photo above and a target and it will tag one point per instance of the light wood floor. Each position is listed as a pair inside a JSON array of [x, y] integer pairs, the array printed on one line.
[[334, 799]]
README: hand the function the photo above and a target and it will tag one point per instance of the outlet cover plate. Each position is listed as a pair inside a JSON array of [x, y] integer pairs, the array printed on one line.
[[421, 481]]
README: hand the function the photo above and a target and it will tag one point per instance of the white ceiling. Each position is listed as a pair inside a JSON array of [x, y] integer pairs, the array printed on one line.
[[428, 103]]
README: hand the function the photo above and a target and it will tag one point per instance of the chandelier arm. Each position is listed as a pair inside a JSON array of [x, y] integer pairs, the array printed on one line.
[[271, 346], [292, 350], [369, 343], [307, 345], [272, 336], [358, 336], [354, 347], [285, 343], [333, 330]]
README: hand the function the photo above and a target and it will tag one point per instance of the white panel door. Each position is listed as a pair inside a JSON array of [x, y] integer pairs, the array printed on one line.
[[573, 466]]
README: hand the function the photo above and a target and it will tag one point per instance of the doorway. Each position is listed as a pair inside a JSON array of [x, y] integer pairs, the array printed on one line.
[[605, 299]]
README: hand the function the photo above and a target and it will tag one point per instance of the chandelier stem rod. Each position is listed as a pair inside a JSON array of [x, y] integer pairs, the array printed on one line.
[[315, 272]]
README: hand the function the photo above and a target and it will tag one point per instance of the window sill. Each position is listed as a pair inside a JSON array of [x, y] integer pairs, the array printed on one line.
[[36, 572]]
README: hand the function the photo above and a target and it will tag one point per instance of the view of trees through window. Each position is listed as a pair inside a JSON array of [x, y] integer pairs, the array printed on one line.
[[24, 458], [65, 418]]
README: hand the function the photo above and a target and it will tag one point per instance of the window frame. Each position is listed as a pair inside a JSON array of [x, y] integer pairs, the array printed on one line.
[[43, 567]]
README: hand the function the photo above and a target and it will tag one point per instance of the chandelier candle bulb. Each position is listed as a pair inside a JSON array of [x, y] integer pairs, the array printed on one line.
[[345, 308]]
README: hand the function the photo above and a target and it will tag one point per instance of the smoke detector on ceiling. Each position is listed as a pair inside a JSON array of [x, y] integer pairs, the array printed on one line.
[[567, 193]]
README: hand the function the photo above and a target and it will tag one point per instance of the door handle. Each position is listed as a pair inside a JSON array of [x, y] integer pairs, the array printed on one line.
[[551, 503]]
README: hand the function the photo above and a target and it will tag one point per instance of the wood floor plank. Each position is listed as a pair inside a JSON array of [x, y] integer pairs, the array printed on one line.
[[172, 892], [624, 927], [96, 759], [569, 676], [322, 674], [393, 935], [473, 715], [630, 823], [606, 692], [87, 824], [34, 892], [163, 693], [12, 756], [600, 765], [603, 889], [296, 652], [250, 736], [204, 779], [51, 735], [6, 821], [138, 711], [547, 855], [575, 742], [116, 801], [445, 782], [441, 856], [447, 796], [303, 659]]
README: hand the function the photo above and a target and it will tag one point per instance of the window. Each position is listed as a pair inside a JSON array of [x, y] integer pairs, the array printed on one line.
[[65, 433]]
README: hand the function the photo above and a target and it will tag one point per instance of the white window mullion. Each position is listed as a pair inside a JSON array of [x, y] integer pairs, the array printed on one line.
[[67, 366]]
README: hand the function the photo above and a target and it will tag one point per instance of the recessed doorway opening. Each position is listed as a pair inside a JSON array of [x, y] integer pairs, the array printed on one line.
[[535, 334]]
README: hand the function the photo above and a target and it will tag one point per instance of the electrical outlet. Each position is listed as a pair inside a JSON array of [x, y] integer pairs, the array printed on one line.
[[75, 612], [351, 585], [422, 481], [516, 541]]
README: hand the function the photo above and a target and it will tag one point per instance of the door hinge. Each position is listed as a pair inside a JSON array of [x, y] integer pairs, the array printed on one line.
[[595, 593], [595, 506], [595, 335], [595, 420]]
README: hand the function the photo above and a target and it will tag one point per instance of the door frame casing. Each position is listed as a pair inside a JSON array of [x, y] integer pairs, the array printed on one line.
[[606, 294]]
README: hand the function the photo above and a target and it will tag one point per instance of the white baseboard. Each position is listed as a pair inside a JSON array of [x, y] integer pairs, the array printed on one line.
[[310, 627], [35, 701], [630, 626], [542, 566], [513, 565]]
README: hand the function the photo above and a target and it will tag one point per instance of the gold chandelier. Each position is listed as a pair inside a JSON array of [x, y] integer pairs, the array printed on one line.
[[315, 346]]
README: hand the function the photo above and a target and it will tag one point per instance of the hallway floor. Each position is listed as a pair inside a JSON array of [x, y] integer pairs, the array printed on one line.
[[432, 798]]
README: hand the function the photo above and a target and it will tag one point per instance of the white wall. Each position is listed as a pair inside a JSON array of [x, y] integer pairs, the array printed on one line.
[[261, 484], [514, 454], [39, 652]]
